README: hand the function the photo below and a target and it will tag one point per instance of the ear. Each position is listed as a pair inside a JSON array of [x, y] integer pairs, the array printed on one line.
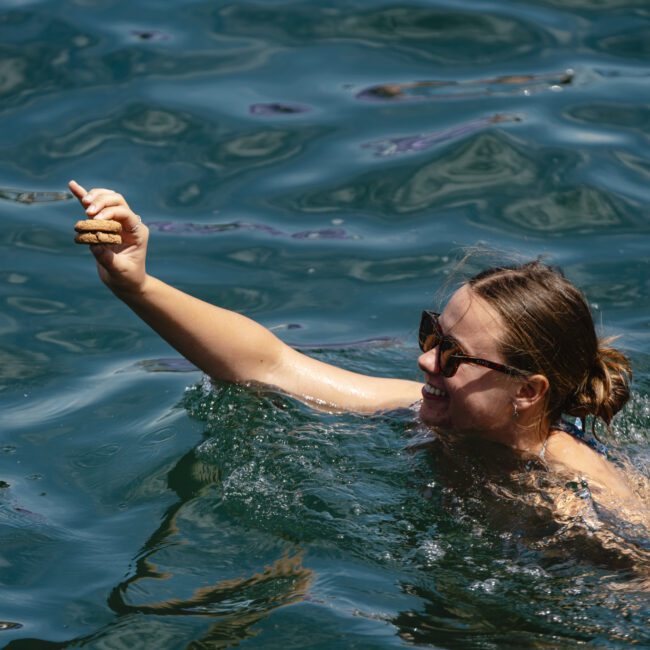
[[531, 392]]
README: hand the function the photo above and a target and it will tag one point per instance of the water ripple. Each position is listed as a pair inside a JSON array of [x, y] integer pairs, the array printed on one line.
[[422, 33]]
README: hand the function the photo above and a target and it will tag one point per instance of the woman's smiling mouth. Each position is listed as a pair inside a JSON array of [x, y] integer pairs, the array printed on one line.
[[434, 391]]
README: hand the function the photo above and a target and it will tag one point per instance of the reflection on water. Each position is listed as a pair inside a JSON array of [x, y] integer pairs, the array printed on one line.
[[633, 42], [33, 196], [144, 125], [585, 208], [429, 34], [17, 365], [8, 625], [135, 513], [462, 174], [525, 84], [614, 114], [416, 143], [183, 228]]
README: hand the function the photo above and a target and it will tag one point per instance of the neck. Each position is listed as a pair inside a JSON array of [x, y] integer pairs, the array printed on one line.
[[529, 435], [523, 435]]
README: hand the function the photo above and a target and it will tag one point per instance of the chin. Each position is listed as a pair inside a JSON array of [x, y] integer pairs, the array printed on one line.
[[434, 416]]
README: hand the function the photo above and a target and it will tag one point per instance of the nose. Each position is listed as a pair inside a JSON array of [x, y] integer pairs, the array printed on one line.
[[428, 362]]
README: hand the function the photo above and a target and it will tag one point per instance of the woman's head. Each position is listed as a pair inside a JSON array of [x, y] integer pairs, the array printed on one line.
[[475, 398], [548, 329]]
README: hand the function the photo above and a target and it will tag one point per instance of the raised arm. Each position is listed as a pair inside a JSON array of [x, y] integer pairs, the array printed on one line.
[[224, 344]]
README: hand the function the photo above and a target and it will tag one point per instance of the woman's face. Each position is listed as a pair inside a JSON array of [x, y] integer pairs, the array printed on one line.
[[475, 399]]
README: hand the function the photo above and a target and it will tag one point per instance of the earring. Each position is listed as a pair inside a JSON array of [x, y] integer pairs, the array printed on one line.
[[515, 412]]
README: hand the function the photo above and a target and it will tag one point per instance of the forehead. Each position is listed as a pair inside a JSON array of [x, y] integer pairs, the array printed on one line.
[[472, 321]]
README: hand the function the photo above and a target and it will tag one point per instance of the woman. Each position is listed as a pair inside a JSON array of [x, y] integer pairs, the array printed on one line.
[[513, 350]]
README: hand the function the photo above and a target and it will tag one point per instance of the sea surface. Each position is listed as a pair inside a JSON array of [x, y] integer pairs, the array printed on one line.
[[320, 167]]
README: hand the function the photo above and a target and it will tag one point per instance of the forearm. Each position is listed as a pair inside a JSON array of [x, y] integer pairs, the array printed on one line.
[[222, 343]]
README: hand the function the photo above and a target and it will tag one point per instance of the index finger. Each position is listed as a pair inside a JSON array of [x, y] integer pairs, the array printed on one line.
[[77, 190]]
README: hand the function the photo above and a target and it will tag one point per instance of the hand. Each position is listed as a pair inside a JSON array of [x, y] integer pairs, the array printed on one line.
[[120, 266]]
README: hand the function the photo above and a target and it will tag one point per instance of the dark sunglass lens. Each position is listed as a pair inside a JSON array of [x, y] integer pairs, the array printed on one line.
[[428, 342], [448, 363], [429, 335]]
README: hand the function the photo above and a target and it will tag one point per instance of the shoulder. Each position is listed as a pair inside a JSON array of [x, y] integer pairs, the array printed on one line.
[[580, 434], [569, 454], [572, 452]]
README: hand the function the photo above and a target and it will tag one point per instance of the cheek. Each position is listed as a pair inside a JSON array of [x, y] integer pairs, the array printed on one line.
[[478, 403]]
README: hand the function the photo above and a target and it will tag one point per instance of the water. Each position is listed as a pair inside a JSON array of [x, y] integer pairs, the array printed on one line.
[[285, 173]]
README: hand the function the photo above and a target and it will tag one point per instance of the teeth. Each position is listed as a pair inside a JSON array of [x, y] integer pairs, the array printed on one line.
[[432, 390]]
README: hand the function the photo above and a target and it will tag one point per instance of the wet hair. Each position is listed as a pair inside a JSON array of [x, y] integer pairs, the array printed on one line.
[[549, 330]]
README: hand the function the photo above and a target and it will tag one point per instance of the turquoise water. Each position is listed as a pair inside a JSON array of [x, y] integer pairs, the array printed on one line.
[[319, 167]]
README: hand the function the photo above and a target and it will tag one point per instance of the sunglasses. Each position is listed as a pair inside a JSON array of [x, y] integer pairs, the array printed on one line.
[[450, 354]]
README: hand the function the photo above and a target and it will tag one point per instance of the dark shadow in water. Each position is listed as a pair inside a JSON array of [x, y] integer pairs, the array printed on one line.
[[150, 35], [278, 108], [234, 605]]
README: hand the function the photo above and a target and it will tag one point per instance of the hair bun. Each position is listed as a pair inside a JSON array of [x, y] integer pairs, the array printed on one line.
[[606, 388]]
